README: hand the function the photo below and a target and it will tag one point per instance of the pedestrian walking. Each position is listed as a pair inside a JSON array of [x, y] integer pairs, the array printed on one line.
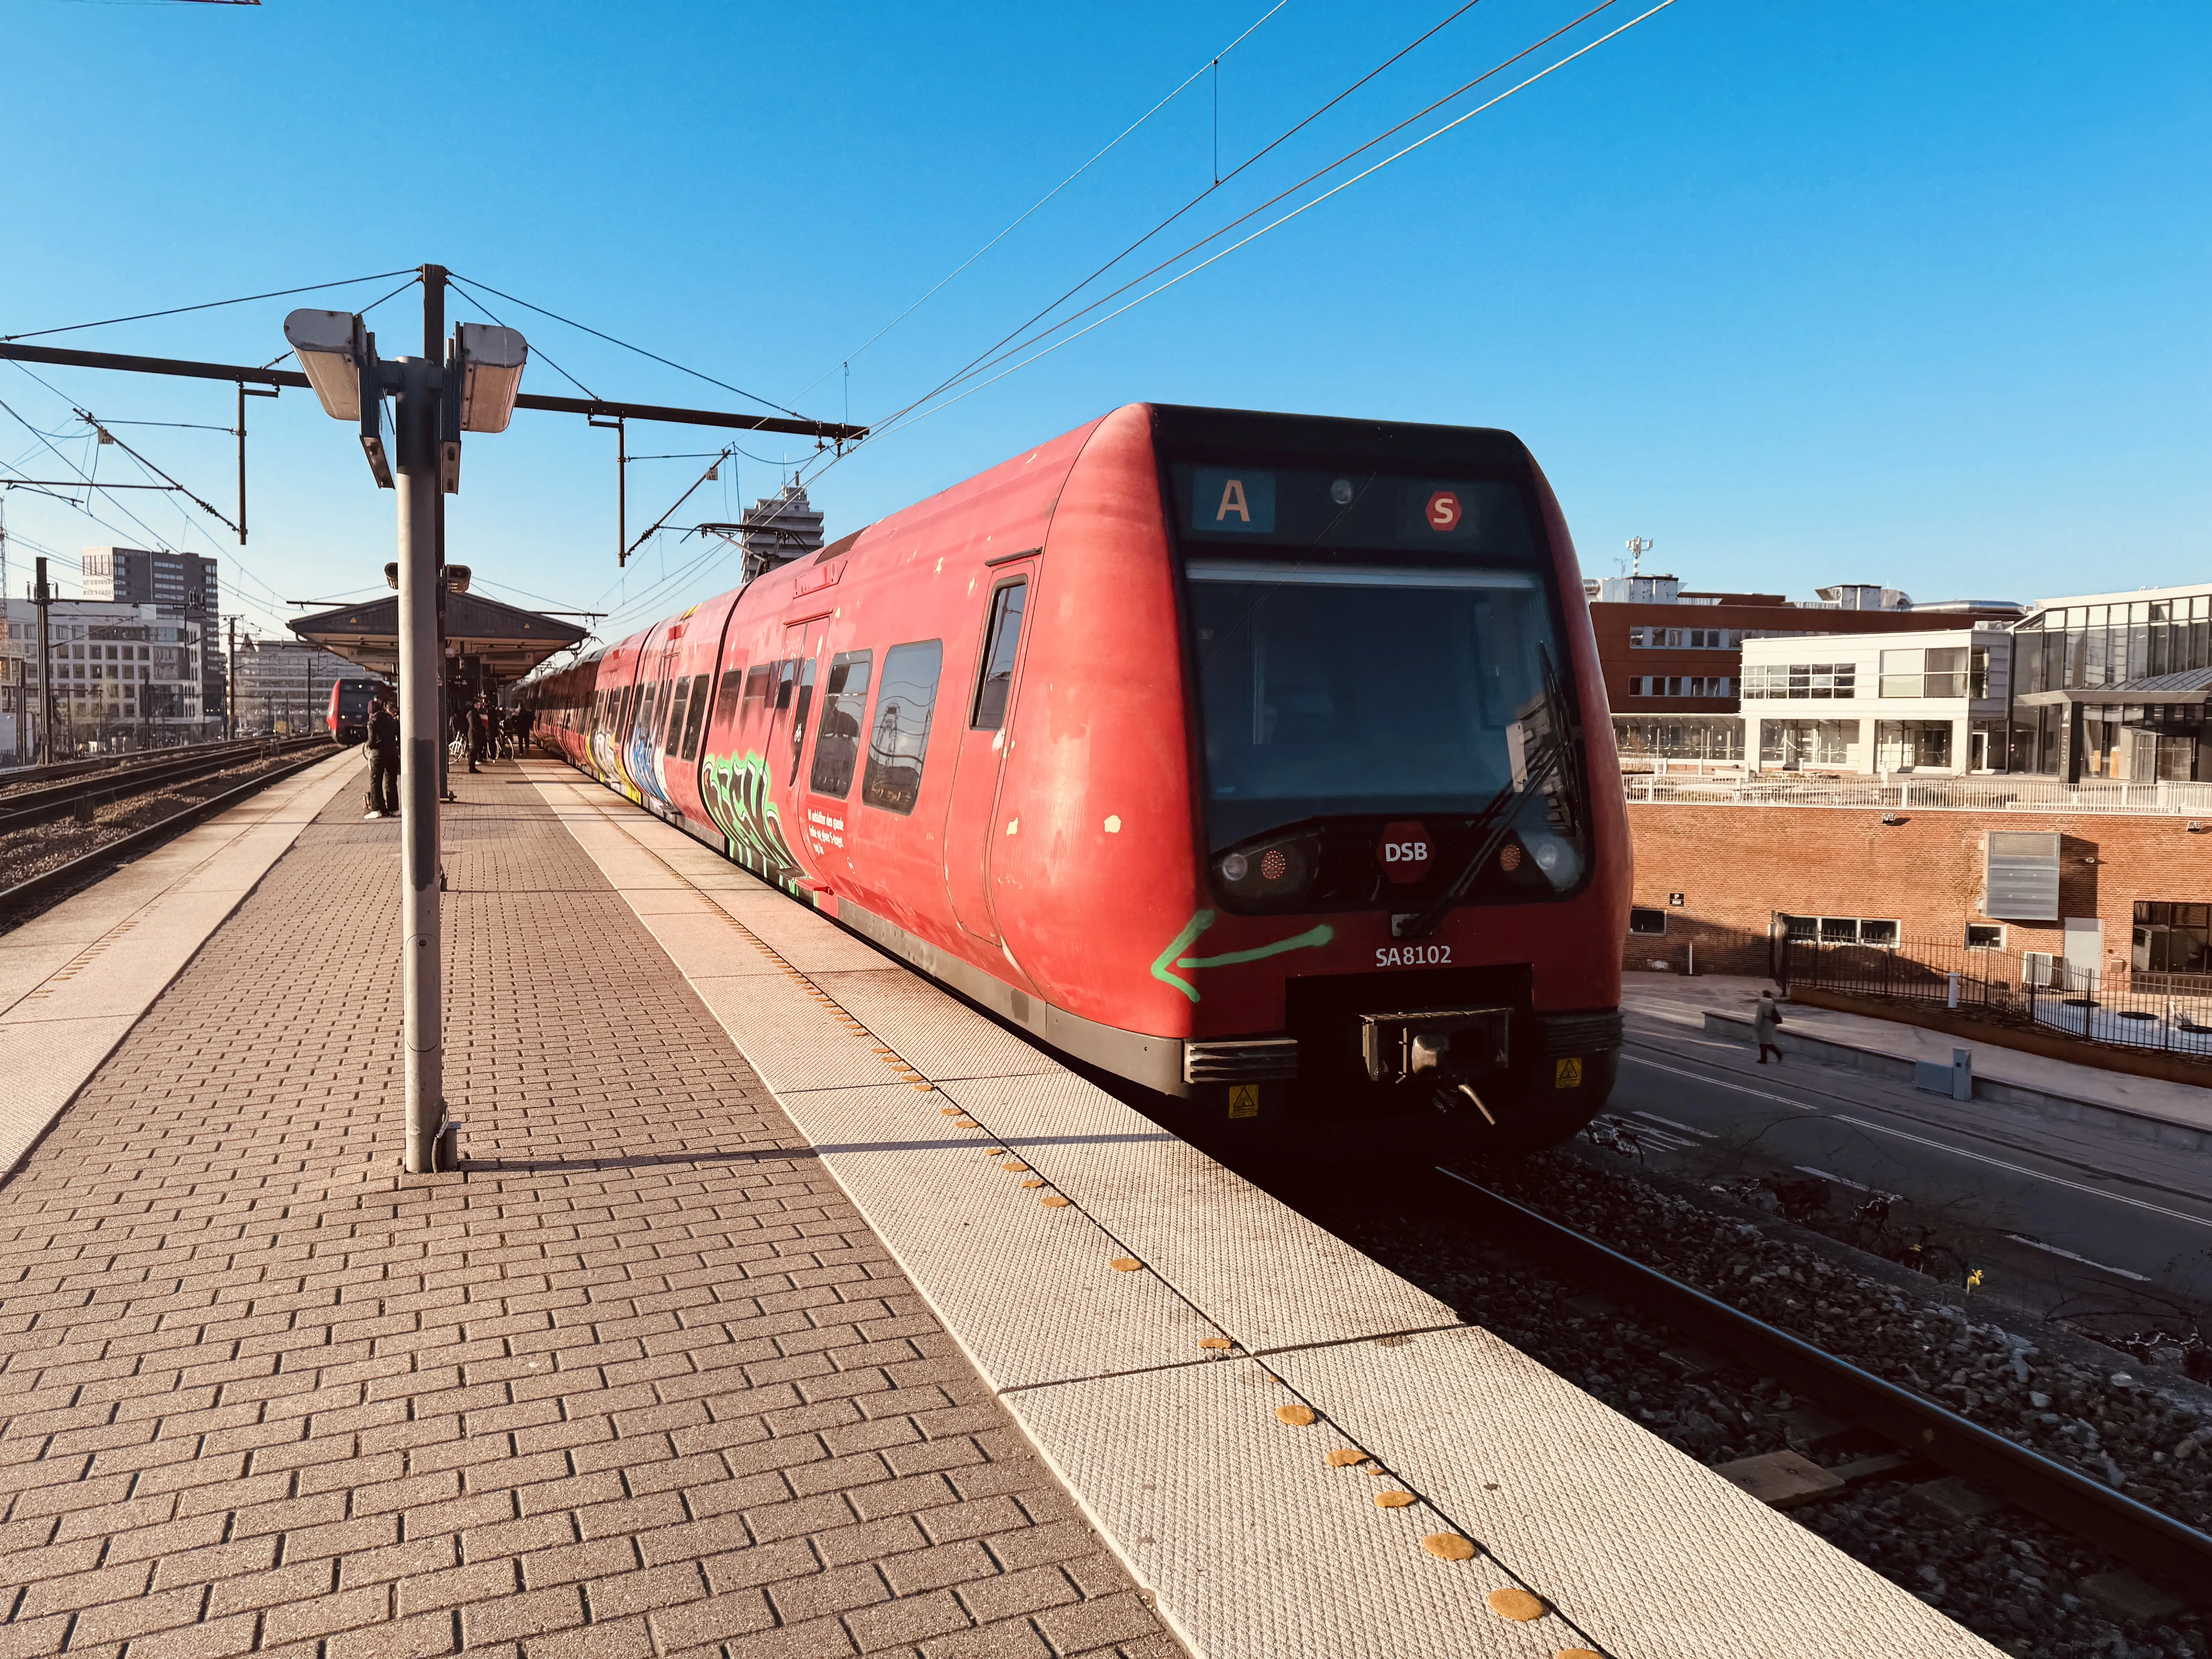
[[383, 742], [1763, 1020]]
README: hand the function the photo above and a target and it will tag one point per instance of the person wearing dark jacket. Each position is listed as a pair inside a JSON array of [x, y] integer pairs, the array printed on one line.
[[383, 744], [479, 733]]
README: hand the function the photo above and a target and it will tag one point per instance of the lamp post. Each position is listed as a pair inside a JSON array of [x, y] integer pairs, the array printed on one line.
[[473, 390]]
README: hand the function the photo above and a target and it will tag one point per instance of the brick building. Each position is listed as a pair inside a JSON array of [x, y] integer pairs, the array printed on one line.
[[1914, 875], [1671, 657]]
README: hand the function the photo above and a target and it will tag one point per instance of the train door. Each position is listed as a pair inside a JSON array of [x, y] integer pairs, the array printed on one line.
[[794, 702], [971, 830]]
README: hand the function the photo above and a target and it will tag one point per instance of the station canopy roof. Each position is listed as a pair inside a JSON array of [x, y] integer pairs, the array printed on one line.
[[511, 641]]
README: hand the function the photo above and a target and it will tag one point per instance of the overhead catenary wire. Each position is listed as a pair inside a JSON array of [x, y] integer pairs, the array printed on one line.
[[477, 300], [210, 305], [92, 482], [1000, 352], [1221, 179], [668, 362], [908, 415], [1182, 87]]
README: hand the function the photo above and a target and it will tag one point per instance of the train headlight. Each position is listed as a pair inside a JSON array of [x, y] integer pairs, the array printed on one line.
[[1271, 875], [1562, 865]]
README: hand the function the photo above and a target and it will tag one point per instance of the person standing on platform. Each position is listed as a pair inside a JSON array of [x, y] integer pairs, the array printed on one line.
[[479, 734], [1763, 1020], [383, 744]]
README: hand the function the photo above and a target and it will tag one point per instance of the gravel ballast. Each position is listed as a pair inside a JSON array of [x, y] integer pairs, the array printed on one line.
[[2015, 1580]]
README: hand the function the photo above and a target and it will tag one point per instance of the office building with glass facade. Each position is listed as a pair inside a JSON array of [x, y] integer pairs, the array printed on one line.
[[2113, 686]]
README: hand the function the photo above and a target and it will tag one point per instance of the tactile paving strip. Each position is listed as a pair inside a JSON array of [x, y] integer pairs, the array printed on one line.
[[1030, 1290], [945, 1038], [1259, 1541], [1254, 1543], [1270, 1276], [1525, 1461]]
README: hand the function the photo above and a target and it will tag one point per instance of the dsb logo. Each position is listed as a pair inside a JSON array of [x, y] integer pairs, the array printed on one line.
[[1404, 852]]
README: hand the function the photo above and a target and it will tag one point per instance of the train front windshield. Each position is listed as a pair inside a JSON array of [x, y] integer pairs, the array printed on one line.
[[1368, 646]]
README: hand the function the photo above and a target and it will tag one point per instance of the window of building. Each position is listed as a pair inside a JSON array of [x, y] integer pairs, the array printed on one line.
[[898, 741], [998, 657], [1807, 743], [1901, 744], [1644, 919], [1985, 936], [844, 706], [1680, 686], [1801, 679], [1842, 930], [2173, 939], [1653, 638], [1936, 671]]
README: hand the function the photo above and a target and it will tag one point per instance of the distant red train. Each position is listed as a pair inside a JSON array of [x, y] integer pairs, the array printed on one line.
[[1260, 759]]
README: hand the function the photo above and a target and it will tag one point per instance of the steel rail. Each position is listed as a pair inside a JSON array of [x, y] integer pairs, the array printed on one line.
[[12, 776], [29, 807], [53, 884], [2133, 1532]]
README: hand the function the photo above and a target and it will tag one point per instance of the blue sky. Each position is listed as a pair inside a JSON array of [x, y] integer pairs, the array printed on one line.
[[1913, 294]]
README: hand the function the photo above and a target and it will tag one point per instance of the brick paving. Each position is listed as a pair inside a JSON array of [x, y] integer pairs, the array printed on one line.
[[640, 1380]]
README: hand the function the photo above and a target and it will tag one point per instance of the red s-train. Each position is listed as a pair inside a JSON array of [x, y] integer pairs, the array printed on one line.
[[1260, 759]]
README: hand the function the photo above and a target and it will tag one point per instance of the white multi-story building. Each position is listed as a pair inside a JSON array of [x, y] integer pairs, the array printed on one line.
[[285, 686], [1926, 701], [124, 676]]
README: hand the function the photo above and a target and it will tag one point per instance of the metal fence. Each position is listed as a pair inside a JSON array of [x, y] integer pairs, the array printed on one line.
[[2039, 990], [1894, 792]]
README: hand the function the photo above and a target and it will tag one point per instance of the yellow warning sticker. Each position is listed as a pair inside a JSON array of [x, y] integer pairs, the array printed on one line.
[[1243, 1100], [1568, 1075]]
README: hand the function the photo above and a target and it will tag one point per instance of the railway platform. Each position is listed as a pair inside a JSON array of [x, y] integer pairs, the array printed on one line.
[[782, 1305]]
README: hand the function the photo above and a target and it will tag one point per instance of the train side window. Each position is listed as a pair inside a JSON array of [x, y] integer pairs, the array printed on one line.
[[999, 653], [798, 714], [677, 699], [786, 675], [695, 718], [844, 706], [898, 742], [728, 703], [758, 678]]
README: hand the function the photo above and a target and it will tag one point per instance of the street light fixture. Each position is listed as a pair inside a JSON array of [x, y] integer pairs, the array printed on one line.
[[337, 354], [491, 374], [473, 390]]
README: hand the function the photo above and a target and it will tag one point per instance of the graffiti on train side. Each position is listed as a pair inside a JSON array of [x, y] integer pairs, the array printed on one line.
[[738, 789]]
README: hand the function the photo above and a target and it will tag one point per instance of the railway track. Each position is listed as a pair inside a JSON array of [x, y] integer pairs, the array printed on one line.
[[35, 891], [2089, 1510], [82, 794]]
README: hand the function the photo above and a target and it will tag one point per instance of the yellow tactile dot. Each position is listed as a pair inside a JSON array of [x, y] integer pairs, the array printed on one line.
[[1577, 1653], [996, 1151], [951, 1111], [965, 1123], [1033, 1183], [1515, 1604], [1125, 1264], [1449, 1546], [1052, 1200], [1215, 1342], [1393, 1500], [1297, 1416], [923, 1088], [1345, 1457], [1014, 1166]]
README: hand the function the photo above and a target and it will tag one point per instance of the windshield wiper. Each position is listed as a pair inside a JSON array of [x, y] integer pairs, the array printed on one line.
[[1553, 758]]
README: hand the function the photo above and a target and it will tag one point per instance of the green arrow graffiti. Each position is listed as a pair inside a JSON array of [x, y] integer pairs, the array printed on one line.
[[1310, 938]]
